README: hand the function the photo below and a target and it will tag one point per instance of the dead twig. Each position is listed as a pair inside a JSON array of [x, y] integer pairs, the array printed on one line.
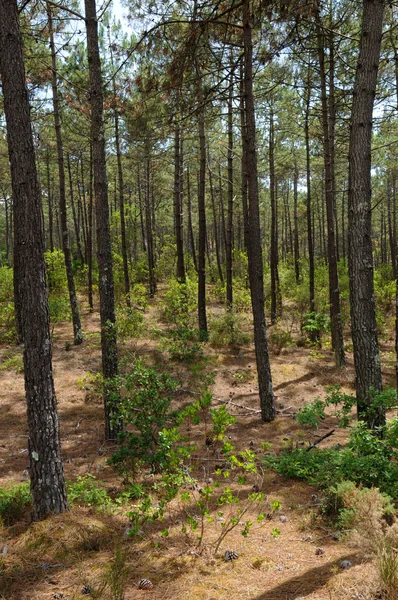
[[328, 434]]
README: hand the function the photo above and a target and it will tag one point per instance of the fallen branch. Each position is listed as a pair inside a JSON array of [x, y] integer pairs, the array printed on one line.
[[328, 434]]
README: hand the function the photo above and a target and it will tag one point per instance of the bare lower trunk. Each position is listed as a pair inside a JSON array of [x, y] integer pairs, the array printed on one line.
[[46, 469]]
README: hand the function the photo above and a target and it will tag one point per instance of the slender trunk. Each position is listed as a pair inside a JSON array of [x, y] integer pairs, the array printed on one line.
[[191, 236], [50, 203], [310, 237], [126, 274], [90, 233], [334, 292], [363, 314], [104, 250], [275, 287], [202, 317], [295, 220], [178, 204], [75, 218], [149, 228], [229, 232], [77, 328], [255, 258], [215, 220], [46, 469], [140, 204]]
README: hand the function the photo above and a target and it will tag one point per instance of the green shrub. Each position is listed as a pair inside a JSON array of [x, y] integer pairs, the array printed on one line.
[[179, 302], [139, 296], [129, 323], [56, 273], [279, 337], [144, 404], [226, 330], [8, 332], [183, 344], [13, 502], [88, 491], [311, 414]]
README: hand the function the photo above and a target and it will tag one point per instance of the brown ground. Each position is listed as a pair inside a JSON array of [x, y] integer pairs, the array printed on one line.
[[55, 558]]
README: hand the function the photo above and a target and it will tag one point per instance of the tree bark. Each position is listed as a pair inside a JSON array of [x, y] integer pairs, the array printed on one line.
[[336, 323], [178, 204], [255, 258], [363, 315], [46, 469], [310, 235], [104, 251], [230, 213], [276, 302]]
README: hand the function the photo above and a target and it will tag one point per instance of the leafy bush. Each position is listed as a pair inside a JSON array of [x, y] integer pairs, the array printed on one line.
[[311, 414], [87, 490], [279, 338], [315, 324], [227, 330], [56, 273], [139, 296], [8, 332], [129, 323], [13, 502], [145, 398], [179, 302], [366, 460], [183, 344]]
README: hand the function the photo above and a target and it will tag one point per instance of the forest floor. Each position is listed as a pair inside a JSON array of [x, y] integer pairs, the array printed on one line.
[[58, 557]]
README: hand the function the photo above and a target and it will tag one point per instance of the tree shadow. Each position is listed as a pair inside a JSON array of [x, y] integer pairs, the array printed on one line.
[[306, 583]]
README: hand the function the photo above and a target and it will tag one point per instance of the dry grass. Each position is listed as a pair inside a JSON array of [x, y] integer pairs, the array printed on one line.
[[65, 553]]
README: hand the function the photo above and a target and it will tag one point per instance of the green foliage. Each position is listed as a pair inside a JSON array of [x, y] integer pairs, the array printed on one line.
[[129, 323], [279, 337], [144, 397], [344, 498], [311, 414], [179, 302], [56, 273], [183, 344], [166, 264], [59, 308], [13, 502], [87, 490], [384, 286], [8, 333], [316, 323], [13, 363], [226, 330], [139, 296], [366, 460]]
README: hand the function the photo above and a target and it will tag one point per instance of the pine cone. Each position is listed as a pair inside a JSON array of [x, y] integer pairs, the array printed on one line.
[[145, 584], [87, 589], [230, 555]]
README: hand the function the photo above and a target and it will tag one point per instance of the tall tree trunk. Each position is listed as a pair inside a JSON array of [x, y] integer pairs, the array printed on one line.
[[126, 274], [363, 315], [202, 317], [215, 220], [229, 229], [336, 323], [77, 328], [191, 236], [46, 469], [178, 205], [50, 203], [254, 239], [149, 227], [104, 250], [275, 286], [75, 216], [296, 242], [310, 235], [90, 232]]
